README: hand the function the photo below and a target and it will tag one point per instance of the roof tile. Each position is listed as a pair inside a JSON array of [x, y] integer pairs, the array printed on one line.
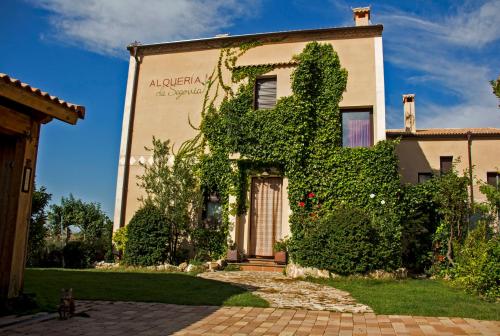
[[80, 110], [444, 132]]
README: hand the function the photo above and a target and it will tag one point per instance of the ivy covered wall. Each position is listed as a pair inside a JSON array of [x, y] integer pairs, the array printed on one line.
[[302, 138]]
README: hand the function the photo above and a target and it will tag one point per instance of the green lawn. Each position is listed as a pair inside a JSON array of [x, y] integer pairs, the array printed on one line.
[[173, 288], [416, 297]]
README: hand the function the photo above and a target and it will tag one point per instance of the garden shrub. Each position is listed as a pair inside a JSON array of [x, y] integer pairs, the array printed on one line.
[[477, 266], [120, 240], [77, 254], [209, 243], [343, 241], [419, 223], [147, 237], [52, 256], [37, 228]]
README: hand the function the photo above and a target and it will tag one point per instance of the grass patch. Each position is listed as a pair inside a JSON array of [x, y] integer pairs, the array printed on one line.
[[416, 297], [175, 288]]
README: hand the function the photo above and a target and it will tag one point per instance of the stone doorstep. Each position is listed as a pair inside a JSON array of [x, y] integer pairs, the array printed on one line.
[[260, 267]]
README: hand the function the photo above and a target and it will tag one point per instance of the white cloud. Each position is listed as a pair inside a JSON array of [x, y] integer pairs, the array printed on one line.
[[449, 56], [108, 26], [476, 28]]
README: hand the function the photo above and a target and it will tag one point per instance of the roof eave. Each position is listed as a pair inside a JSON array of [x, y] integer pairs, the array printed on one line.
[[376, 30], [51, 106]]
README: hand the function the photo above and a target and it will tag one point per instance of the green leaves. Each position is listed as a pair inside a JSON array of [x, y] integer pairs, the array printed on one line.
[[302, 138], [148, 236], [172, 186]]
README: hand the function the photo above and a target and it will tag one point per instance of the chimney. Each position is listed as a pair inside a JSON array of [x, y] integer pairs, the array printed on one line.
[[361, 16], [409, 109]]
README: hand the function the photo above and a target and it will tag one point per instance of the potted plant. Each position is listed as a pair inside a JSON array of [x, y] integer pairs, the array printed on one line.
[[280, 252], [232, 253]]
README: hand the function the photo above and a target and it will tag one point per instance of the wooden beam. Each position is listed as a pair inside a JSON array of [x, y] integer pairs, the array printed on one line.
[[14, 121], [38, 103]]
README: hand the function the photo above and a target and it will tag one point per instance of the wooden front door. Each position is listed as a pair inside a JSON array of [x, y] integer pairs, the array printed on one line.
[[265, 215]]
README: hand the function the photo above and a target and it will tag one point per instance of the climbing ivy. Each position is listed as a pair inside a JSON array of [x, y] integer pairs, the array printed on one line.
[[301, 139]]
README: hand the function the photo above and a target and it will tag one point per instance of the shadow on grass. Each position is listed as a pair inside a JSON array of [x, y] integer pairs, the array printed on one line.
[[170, 288]]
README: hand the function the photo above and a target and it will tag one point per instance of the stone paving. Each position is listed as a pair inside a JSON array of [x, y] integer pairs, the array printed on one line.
[[128, 318], [283, 292]]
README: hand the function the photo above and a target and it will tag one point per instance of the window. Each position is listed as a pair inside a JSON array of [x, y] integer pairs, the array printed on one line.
[[212, 212], [422, 177], [445, 164], [357, 128], [265, 93], [493, 179]]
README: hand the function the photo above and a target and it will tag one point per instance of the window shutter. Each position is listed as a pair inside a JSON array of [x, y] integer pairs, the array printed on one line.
[[265, 93]]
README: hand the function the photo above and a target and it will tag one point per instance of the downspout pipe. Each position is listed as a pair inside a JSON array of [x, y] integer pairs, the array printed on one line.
[[126, 140], [471, 182]]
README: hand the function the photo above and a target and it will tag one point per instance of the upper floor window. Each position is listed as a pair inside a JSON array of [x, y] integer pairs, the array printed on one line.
[[265, 93], [445, 164], [493, 179], [357, 128]]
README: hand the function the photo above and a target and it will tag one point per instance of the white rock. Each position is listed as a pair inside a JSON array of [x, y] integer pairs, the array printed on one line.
[[323, 274], [401, 273], [296, 271], [183, 266]]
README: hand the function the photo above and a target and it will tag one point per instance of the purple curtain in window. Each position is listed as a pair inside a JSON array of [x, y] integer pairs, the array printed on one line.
[[359, 133]]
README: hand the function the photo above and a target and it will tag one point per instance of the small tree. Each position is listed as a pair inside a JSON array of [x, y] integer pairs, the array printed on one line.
[[493, 202], [495, 84], [93, 225], [37, 229], [451, 198], [173, 187]]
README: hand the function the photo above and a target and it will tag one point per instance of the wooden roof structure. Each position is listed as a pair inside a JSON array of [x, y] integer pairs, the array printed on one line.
[[39, 101]]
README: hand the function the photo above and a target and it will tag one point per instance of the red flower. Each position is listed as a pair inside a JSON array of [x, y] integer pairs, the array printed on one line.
[[440, 257], [302, 204], [311, 195]]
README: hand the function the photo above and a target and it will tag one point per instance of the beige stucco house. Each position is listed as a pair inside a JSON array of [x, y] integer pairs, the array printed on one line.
[[165, 91]]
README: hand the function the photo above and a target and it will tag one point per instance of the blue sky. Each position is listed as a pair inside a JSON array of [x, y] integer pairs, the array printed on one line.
[[443, 51]]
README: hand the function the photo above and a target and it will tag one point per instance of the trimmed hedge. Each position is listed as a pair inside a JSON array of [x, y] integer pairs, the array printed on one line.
[[343, 241], [147, 237]]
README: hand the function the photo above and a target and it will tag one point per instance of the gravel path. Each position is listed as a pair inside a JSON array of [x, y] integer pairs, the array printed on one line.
[[283, 292]]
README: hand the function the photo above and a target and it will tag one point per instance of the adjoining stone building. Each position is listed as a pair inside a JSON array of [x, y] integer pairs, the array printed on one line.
[[23, 109], [424, 153]]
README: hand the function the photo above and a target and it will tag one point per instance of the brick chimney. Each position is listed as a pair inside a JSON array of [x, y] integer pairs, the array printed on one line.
[[409, 109], [361, 16]]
